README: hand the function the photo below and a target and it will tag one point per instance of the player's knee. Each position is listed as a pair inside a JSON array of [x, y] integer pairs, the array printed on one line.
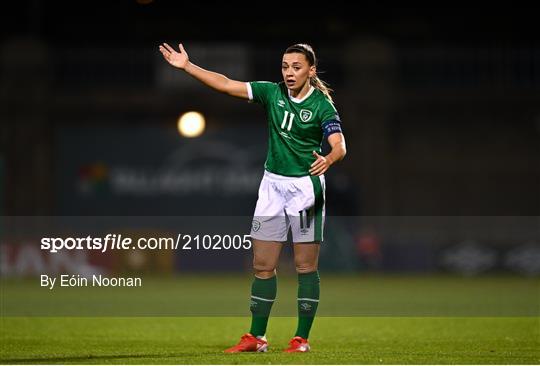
[[265, 274], [305, 264], [261, 266], [305, 267]]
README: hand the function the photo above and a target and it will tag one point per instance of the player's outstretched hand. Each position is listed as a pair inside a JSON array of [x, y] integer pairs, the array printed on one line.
[[177, 59], [320, 165]]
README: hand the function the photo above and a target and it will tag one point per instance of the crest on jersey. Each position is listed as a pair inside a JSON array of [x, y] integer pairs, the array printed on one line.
[[305, 115]]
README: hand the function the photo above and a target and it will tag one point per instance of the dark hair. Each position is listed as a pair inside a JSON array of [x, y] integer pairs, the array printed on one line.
[[307, 51]]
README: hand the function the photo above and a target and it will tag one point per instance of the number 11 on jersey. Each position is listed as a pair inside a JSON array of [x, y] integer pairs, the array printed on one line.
[[291, 116]]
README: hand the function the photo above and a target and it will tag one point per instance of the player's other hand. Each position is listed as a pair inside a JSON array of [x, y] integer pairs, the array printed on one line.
[[320, 165], [177, 59]]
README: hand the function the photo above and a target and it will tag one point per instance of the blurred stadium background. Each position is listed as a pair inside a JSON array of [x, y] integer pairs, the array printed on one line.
[[441, 111], [432, 250]]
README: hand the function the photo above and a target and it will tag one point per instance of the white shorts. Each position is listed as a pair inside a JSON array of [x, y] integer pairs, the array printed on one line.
[[289, 202]]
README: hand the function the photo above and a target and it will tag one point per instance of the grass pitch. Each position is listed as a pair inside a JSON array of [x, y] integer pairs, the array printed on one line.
[[333, 340], [384, 320]]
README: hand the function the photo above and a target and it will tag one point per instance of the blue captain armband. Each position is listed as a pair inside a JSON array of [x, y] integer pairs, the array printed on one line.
[[331, 126]]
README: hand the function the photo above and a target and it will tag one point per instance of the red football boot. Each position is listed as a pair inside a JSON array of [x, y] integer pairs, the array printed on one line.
[[298, 344], [249, 343]]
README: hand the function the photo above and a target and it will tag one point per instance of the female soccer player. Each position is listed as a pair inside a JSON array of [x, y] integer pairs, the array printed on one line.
[[300, 114]]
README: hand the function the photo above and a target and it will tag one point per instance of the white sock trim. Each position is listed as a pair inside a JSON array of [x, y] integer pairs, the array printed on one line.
[[262, 298], [307, 299]]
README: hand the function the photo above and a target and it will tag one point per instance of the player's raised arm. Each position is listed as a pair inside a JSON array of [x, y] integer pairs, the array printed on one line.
[[214, 80]]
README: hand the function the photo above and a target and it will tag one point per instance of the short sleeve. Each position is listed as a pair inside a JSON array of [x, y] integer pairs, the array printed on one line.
[[329, 112], [261, 91]]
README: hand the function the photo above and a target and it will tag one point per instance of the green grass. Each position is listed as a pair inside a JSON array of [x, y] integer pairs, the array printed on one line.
[[334, 341], [191, 319], [228, 295]]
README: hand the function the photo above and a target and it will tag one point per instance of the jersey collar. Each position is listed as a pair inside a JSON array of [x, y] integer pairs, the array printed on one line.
[[296, 100]]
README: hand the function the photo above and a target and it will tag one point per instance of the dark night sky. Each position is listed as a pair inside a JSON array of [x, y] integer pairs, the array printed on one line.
[[128, 22]]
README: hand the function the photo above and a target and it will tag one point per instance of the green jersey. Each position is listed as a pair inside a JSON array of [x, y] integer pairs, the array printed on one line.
[[294, 126]]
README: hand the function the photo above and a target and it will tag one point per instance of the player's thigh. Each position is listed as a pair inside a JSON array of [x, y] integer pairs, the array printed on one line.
[[266, 254], [269, 221], [306, 256]]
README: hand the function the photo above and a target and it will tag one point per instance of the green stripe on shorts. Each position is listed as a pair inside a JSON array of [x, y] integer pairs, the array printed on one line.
[[319, 203]]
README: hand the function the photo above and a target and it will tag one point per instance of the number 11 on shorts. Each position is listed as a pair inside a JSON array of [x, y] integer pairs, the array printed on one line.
[[305, 218]]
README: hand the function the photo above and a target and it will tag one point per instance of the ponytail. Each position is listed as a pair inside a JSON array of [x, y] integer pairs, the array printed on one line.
[[315, 82], [322, 86]]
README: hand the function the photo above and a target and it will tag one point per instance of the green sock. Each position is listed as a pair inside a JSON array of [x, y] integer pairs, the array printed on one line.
[[263, 294], [308, 300]]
